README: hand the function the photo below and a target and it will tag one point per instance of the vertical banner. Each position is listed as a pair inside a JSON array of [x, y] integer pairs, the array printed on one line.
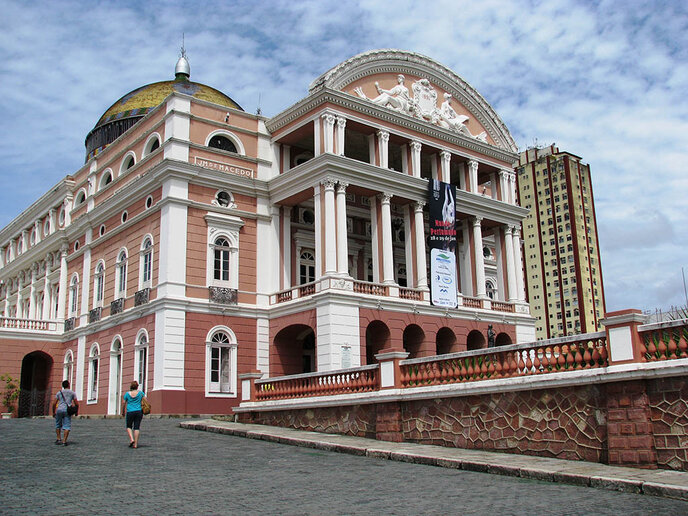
[[442, 243]]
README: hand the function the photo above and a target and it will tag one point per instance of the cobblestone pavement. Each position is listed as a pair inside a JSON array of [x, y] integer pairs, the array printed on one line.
[[177, 471]]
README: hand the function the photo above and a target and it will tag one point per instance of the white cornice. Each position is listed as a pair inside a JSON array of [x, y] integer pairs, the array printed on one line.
[[366, 107]]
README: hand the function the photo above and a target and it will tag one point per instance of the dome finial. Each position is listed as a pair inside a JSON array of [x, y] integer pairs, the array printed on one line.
[[182, 70]]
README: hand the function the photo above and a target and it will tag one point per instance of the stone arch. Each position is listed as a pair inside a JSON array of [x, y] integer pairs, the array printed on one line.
[[34, 384], [475, 340], [445, 341], [503, 339], [295, 348], [413, 339], [377, 339]]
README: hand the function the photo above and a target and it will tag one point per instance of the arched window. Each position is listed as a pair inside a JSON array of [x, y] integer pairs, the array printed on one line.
[[146, 263], [105, 179], [141, 360], [121, 275], [221, 142], [98, 285], [152, 144], [68, 367], [74, 295], [306, 267], [128, 162], [490, 289], [221, 362], [80, 198], [93, 369], [221, 260]]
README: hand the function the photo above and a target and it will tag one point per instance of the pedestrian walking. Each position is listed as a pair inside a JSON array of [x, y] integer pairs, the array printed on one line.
[[131, 408], [65, 404]]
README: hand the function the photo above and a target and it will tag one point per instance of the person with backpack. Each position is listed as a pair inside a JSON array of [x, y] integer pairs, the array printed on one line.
[[132, 409], [64, 407]]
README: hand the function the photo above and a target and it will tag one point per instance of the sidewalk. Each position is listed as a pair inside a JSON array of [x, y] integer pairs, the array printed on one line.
[[664, 483]]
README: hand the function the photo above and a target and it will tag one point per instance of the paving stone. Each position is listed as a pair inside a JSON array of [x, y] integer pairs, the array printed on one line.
[[181, 471]]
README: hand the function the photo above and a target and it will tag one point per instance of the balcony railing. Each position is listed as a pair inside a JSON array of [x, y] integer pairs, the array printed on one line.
[[27, 324], [587, 351], [141, 297], [664, 341], [344, 381], [374, 289], [117, 306], [222, 295], [94, 315]]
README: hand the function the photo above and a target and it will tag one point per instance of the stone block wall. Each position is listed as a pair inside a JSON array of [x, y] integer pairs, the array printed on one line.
[[640, 423], [668, 401], [561, 423]]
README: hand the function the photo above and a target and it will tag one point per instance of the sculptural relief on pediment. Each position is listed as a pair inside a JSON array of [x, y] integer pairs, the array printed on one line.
[[422, 105]]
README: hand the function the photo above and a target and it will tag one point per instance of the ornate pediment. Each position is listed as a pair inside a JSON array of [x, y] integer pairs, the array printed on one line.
[[422, 105]]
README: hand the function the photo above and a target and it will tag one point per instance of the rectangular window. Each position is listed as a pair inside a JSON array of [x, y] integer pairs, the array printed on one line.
[[220, 369]]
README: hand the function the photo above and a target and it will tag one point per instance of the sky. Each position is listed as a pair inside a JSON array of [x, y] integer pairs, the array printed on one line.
[[605, 80]]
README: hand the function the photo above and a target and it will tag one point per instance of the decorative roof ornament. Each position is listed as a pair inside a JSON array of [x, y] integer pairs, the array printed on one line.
[[182, 70]]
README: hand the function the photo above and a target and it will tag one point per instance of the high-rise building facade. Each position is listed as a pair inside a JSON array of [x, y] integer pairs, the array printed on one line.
[[561, 245]]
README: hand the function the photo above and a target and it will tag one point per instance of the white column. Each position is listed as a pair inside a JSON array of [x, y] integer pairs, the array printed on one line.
[[286, 158], [510, 273], [383, 148], [445, 176], [67, 205], [172, 247], [62, 293], [341, 125], [479, 259], [342, 236], [387, 256], [20, 299], [46, 294], [504, 185], [415, 158], [286, 246], [330, 235], [473, 176], [374, 242], [328, 120], [32, 295], [512, 189], [421, 266], [518, 265], [39, 231], [53, 221], [319, 251]]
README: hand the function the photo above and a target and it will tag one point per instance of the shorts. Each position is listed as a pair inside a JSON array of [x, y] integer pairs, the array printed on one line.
[[63, 421], [134, 419]]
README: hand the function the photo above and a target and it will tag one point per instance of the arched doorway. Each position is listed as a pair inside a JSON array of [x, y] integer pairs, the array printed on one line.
[[34, 397], [377, 339], [413, 340], [445, 342], [295, 350], [115, 387], [503, 339], [475, 340]]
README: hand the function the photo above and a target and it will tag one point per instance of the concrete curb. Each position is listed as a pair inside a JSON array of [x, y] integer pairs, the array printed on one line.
[[662, 483]]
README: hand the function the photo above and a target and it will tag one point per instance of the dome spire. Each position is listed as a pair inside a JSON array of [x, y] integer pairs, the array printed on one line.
[[182, 71]]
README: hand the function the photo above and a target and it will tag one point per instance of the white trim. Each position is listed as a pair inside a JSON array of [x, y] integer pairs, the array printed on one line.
[[121, 290], [115, 376], [122, 169], [98, 302], [226, 226], [138, 347], [101, 183], [149, 143], [231, 136], [232, 347], [142, 253], [93, 370]]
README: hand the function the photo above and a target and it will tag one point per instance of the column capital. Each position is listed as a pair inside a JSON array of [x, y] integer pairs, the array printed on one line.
[[64, 250], [509, 229], [418, 206], [328, 183], [384, 198], [329, 118], [473, 165], [383, 135], [517, 232], [415, 145], [341, 121], [445, 155], [341, 187], [476, 221]]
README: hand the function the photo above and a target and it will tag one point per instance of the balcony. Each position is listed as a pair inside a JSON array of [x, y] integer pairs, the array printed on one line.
[[69, 324], [94, 315], [12, 323], [222, 295], [117, 306], [141, 297]]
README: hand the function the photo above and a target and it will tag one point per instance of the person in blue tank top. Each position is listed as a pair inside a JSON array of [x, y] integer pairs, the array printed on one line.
[[131, 408]]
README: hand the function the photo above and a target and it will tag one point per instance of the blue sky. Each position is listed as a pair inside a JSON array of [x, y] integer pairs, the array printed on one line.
[[605, 80]]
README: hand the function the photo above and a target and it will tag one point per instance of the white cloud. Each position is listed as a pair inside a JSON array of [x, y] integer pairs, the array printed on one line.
[[604, 80]]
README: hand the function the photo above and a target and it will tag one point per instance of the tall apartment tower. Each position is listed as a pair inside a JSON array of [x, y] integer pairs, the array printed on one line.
[[561, 245]]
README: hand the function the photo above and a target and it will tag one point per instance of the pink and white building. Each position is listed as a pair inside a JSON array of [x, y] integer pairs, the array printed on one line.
[[199, 242]]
